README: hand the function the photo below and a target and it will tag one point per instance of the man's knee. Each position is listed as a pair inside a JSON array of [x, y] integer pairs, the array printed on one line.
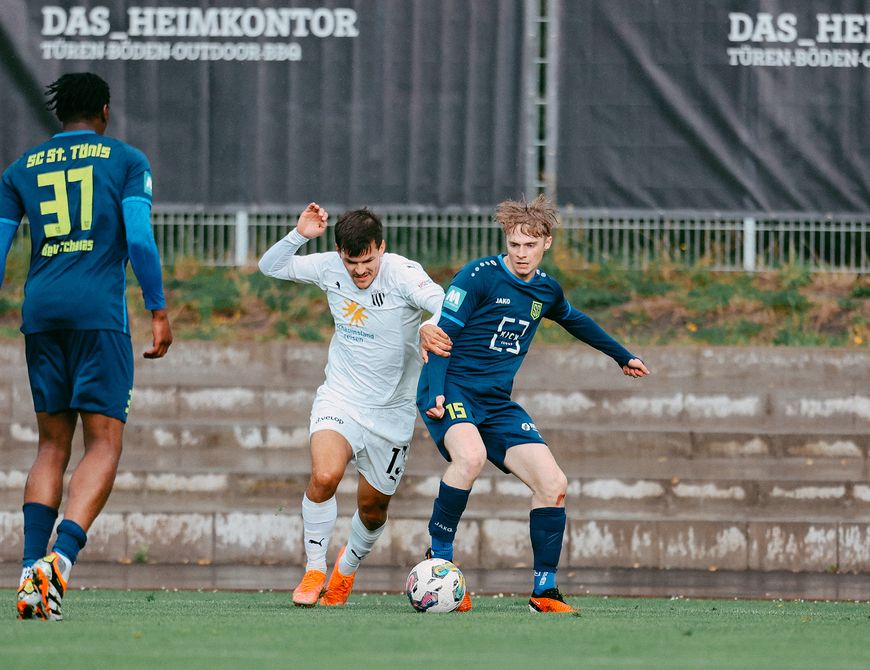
[[553, 488], [323, 485], [469, 461], [373, 516]]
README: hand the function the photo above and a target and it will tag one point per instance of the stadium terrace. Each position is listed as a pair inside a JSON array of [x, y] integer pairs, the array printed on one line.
[[240, 22]]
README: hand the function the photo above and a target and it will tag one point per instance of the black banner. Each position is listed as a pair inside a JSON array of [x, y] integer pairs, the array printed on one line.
[[715, 105], [710, 104], [273, 103]]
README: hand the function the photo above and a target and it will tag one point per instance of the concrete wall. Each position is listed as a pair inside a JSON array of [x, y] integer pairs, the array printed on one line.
[[725, 458]]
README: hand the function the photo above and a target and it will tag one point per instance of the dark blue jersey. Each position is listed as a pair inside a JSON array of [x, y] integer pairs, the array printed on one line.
[[491, 315], [73, 189]]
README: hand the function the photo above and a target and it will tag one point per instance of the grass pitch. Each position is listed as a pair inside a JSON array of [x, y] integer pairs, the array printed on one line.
[[142, 629]]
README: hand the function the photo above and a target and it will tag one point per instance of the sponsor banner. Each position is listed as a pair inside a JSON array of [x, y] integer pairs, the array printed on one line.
[[743, 105], [281, 102]]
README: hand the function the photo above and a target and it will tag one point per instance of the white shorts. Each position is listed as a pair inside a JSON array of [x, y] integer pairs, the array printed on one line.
[[380, 438]]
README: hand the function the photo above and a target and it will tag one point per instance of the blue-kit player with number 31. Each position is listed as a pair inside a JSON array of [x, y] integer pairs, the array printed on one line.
[[491, 312], [87, 198]]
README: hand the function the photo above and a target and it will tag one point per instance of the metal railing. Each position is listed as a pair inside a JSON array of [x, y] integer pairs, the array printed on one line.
[[633, 239]]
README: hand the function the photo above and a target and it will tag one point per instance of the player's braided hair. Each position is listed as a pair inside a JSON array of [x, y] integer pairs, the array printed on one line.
[[77, 95], [356, 230], [536, 218]]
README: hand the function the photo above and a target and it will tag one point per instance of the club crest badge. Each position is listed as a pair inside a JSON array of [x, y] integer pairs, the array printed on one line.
[[536, 309]]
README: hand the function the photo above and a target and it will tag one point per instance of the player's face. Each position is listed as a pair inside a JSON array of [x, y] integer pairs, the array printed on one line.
[[364, 268], [524, 253]]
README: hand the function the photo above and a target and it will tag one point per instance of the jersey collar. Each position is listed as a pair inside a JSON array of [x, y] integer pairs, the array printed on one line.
[[67, 133]]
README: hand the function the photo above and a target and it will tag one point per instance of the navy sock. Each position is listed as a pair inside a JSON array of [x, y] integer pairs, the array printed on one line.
[[446, 512], [38, 523], [71, 538], [547, 528]]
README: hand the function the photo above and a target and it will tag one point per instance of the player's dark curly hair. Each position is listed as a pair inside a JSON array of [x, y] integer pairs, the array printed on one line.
[[356, 230], [77, 95]]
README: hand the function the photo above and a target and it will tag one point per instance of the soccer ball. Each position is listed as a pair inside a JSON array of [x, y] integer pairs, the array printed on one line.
[[435, 585]]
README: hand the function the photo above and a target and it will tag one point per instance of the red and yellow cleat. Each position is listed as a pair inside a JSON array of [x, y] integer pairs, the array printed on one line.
[[310, 588], [550, 601], [339, 587]]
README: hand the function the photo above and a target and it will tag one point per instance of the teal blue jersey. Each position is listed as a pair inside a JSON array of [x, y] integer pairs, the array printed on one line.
[[73, 189]]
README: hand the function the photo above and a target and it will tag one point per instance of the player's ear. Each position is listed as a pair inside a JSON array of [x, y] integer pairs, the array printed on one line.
[[383, 247], [548, 242], [104, 114]]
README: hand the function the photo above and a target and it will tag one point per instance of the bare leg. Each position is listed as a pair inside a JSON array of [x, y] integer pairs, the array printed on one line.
[[534, 465], [330, 454], [467, 453], [45, 481], [94, 476]]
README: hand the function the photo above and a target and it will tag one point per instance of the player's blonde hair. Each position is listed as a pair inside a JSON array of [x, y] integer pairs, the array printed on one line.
[[536, 218]]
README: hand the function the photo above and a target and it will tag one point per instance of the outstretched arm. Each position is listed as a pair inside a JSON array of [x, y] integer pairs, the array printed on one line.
[[584, 328], [146, 266]]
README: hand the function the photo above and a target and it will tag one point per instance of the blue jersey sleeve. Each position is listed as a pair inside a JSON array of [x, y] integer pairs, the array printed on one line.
[[143, 253], [585, 329], [7, 234], [11, 212], [138, 183], [461, 297]]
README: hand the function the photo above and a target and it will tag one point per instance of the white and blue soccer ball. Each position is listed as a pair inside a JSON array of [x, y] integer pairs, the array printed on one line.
[[435, 585]]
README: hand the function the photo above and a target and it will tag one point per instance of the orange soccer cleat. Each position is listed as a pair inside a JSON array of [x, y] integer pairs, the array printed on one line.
[[310, 588], [550, 601], [465, 605], [339, 587]]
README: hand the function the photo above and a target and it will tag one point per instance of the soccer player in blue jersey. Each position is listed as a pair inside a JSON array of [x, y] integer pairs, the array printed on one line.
[[491, 312], [88, 200]]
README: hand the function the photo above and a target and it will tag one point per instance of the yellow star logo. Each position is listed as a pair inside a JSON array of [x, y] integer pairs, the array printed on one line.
[[356, 313]]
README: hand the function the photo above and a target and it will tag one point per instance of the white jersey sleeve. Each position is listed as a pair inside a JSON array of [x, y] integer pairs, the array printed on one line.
[[418, 287], [281, 261]]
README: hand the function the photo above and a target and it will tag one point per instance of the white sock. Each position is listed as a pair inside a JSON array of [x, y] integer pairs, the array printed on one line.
[[318, 520], [359, 544]]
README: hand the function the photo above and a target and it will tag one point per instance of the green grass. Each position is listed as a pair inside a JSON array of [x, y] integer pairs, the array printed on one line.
[[140, 629]]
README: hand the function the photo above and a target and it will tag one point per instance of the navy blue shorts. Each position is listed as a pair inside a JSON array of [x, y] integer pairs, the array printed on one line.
[[81, 370], [501, 422]]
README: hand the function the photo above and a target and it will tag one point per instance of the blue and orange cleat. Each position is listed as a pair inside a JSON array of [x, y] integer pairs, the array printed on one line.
[[550, 601]]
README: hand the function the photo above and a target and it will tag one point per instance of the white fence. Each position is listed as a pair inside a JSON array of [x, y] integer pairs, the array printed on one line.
[[634, 239]]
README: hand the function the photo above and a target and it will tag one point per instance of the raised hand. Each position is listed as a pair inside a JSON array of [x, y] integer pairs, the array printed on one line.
[[312, 221]]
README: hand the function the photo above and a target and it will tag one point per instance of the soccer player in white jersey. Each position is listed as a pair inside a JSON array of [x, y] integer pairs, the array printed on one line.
[[364, 411]]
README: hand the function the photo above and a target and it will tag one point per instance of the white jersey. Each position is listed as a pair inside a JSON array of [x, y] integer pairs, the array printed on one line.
[[374, 358]]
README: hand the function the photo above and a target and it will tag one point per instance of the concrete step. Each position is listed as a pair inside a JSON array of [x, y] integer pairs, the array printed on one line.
[[771, 410], [272, 363], [275, 537], [228, 444], [495, 495]]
